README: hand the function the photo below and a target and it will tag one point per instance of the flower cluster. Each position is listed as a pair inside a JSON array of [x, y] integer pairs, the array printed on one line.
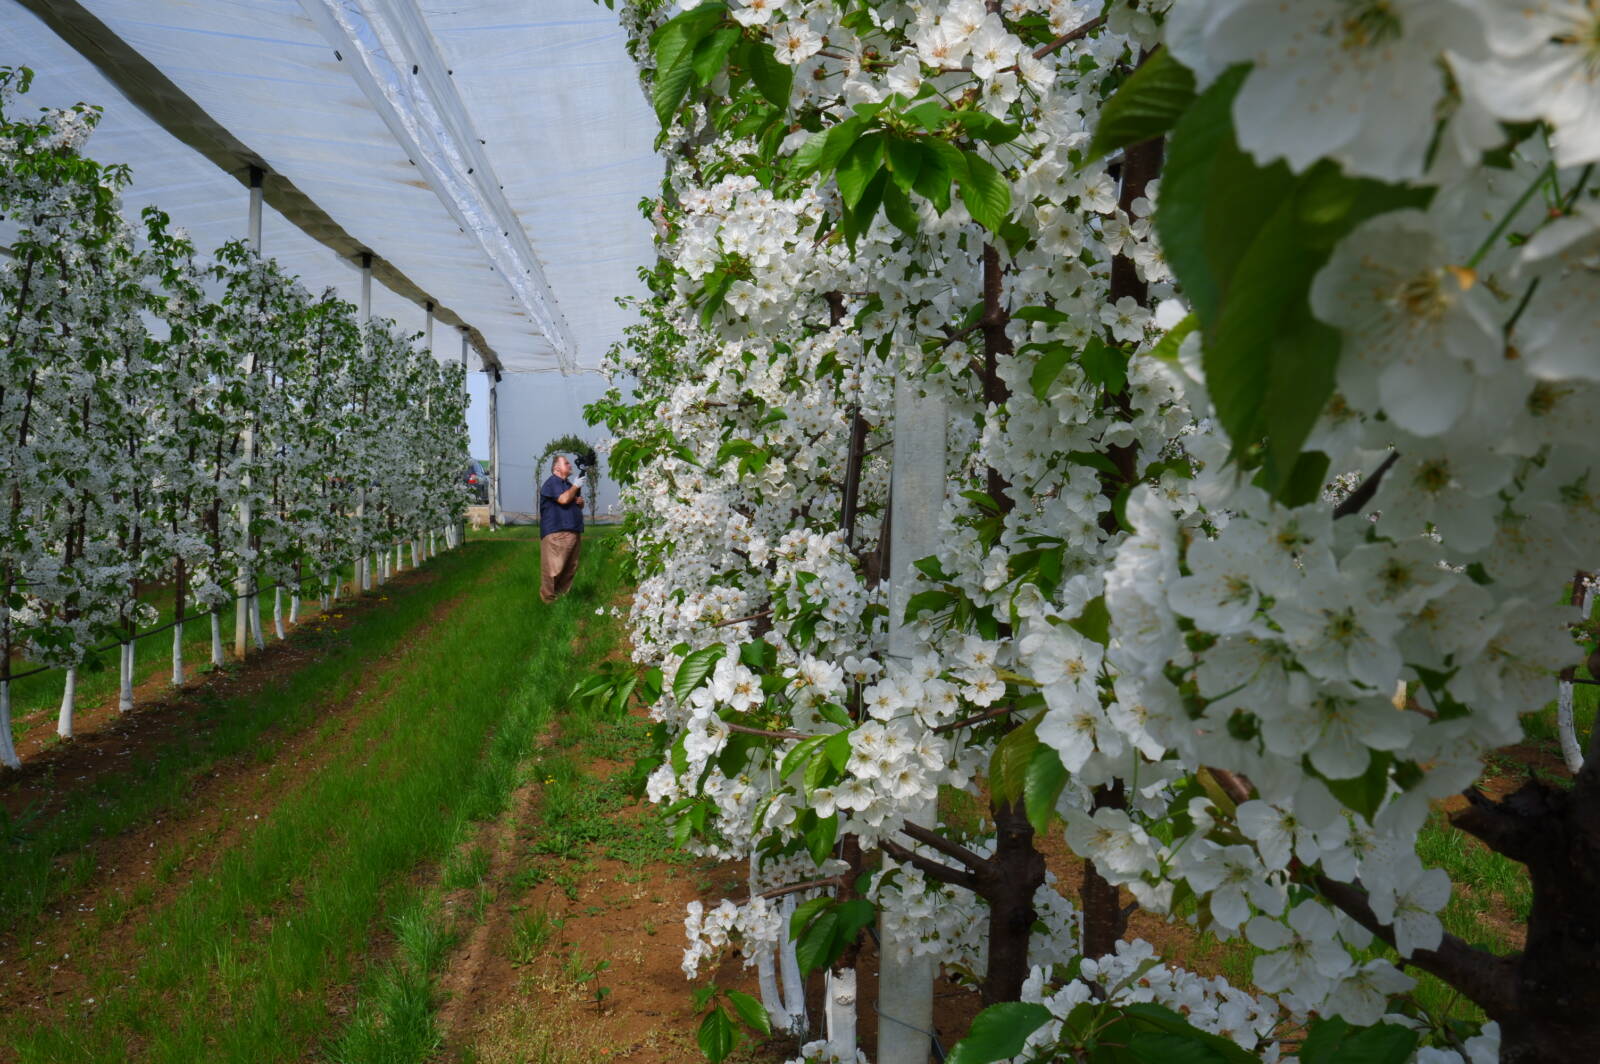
[[1261, 331]]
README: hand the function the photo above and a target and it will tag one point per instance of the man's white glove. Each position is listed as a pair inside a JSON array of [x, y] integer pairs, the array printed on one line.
[[576, 480]]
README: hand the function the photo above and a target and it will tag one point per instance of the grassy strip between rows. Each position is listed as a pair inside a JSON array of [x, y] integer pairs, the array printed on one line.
[[577, 820], [241, 965], [39, 861], [39, 852]]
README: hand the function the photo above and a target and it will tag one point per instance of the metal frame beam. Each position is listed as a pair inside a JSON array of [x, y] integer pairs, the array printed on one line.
[[147, 88]]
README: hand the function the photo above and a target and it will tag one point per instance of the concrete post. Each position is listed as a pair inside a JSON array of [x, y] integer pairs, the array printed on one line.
[[905, 983]]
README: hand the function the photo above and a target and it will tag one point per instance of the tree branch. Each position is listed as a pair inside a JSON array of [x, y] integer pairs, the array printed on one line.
[[1356, 501], [954, 850], [796, 888], [1488, 979], [741, 620], [1512, 827], [742, 730], [1068, 37], [943, 873], [981, 718]]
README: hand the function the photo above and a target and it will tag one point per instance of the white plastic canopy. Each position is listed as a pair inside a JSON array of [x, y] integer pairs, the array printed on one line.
[[489, 154]]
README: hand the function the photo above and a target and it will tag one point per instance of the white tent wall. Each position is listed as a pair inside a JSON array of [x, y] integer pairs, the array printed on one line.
[[210, 204], [546, 90], [535, 408]]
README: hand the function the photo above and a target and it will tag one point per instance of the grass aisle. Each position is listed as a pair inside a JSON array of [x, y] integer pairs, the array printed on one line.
[[240, 963]]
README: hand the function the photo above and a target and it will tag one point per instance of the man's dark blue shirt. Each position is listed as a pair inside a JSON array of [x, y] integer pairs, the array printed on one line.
[[553, 515]]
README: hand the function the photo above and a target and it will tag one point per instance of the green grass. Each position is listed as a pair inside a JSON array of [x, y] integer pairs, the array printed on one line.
[[239, 965], [577, 821]]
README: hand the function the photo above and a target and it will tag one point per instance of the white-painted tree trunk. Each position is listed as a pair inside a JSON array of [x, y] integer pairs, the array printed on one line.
[[125, 696], [8, 747], [177, 654], [69, 703], [416, 553], [216, 638], [767, 974], [277, 613], [294, 608], [1566, 724], [255, 622], [794, 987], [839, 999], [905, 982]]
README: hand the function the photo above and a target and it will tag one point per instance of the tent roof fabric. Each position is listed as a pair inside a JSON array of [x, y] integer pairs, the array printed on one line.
[[491, 161]]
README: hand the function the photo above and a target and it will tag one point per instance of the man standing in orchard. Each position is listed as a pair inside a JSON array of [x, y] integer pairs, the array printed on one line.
[[560, 529]]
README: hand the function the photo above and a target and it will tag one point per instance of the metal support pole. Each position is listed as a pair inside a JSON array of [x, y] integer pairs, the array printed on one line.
[[461, 527], [363, 565], [254, 231], [494, 447], [905, 983], [244, 601]]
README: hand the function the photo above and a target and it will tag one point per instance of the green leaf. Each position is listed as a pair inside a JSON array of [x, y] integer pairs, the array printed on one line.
[[936, 600], [667, 92], [837, 749], [1333, 1041], [1167, 348], [711, 54], [1364, 793], [673, 46], [1051, 362], [1245, 242], [1158, 1018], [814, 942], [986, 194], [857, 221], [1153, 1047], [1045, 315], [998, 1032], [1148, 104], [751, 1011], [772, 78], [716, 1035], [905, 161], [1008, 765], [805, 912], [1105, 365], [820, 839], [801, 754], [1305, 480], [809, 155], [695, 668], [898, 209], [981, 125], [1042, 786], [841, 138], [930, 115], [1094, 623], [940, 166]]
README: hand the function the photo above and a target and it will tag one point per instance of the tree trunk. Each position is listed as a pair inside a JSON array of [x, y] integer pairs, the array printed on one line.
[[1018, 872], [69, 701], [125, 697], [216, 638], [8, 747], [1099, 904], [1553, 1012]]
